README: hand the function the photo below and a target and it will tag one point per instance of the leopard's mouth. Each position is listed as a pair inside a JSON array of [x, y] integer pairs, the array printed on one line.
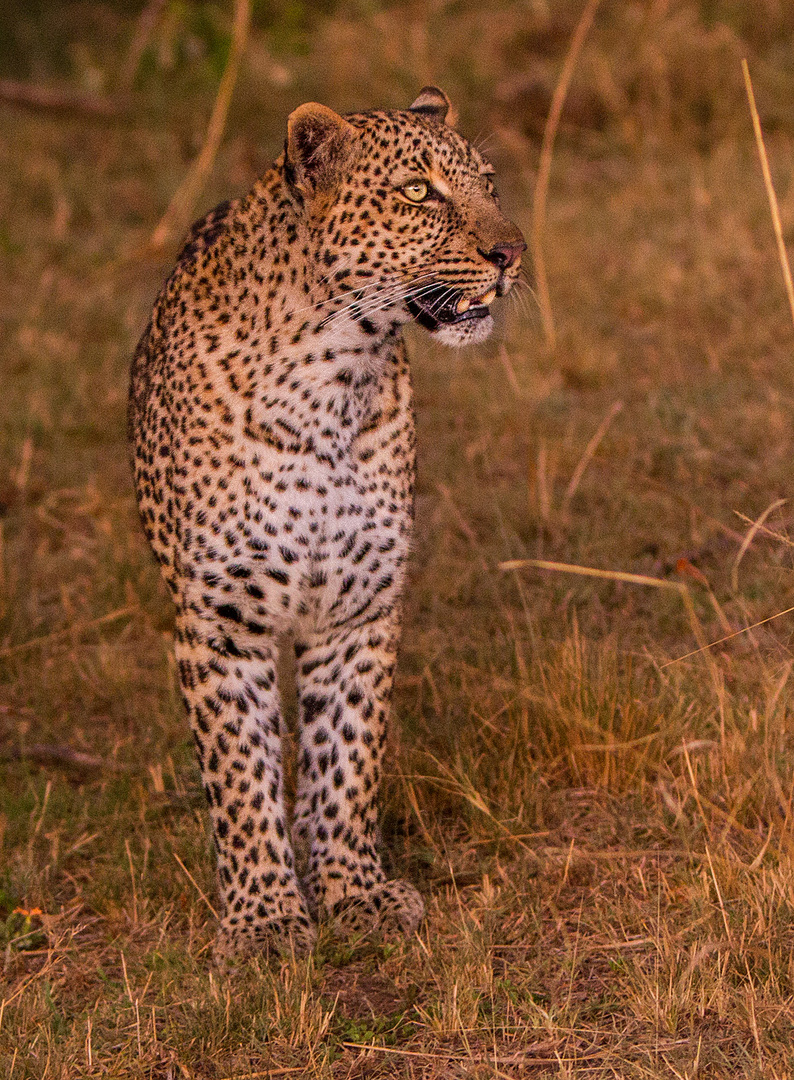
[[441, 306]]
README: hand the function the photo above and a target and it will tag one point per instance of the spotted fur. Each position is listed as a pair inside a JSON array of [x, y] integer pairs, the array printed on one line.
[[272, 428]]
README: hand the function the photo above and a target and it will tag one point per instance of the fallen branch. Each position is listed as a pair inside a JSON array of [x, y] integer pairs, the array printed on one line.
[[57, 754], [60, 99]]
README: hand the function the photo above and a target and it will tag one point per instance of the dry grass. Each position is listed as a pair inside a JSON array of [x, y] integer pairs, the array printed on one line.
[[604, 837]]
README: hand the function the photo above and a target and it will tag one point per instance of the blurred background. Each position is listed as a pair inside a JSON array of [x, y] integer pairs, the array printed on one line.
[[670, 334]]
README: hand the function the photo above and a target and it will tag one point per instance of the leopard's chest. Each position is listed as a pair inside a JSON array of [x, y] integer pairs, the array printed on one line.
[[300, 508]]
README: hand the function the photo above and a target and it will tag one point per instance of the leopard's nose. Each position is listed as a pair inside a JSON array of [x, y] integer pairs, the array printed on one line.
[[504, 255]]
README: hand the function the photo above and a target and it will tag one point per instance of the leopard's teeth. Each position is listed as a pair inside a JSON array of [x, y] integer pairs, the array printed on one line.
[[489, 298], [462, 305]]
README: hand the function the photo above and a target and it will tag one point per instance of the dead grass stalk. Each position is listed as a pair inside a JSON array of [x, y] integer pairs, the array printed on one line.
[[181, 208], [544, 168]]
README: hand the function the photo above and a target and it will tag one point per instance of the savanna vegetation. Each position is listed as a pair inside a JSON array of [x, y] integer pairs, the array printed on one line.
[[598, 814]]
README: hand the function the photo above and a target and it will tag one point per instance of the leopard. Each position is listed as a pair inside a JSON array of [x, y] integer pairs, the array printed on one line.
[[272, 428]]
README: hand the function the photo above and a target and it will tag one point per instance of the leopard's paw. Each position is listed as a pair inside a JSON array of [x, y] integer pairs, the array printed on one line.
[[287, 935], [390, 909]]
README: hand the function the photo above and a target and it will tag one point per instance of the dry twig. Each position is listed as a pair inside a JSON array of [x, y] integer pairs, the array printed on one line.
[[544, 169], [56, 635], [144, 28], [748, 539], [728, 637], [770, 190], [587, 456], [196, 885], [180, 209], [527, 1057], [624, 576]]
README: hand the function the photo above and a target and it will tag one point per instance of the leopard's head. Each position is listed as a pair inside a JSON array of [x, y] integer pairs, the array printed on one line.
[[403, 218]]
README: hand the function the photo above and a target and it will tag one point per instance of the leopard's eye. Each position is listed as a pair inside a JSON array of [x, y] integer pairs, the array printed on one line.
[[416, 191]]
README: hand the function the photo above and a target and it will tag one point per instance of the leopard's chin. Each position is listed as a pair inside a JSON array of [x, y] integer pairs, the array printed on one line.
[[470, 332]]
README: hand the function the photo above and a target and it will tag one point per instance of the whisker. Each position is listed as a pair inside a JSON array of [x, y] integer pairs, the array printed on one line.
[[519, 303], [381, 299], [359, 290], [437, 304], [528, 289], [329, 300], [483, 141], [522, 301], [442, 299], [392, 289], [385, 300]]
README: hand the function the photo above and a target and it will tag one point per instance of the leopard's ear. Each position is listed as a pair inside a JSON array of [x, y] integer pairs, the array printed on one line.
[[435, 105], [318, 140]]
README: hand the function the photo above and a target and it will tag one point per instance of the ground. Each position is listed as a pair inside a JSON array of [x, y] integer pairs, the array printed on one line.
[[602, 831]]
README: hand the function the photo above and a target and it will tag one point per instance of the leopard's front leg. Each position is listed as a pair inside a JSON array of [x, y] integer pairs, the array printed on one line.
[[344, 680], [232, 700]]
